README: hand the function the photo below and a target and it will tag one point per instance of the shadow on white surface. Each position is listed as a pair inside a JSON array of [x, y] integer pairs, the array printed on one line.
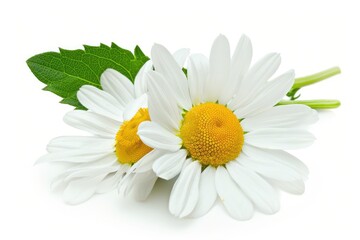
[[153, 210]]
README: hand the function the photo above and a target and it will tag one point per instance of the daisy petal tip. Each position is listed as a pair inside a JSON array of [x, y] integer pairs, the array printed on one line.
[[221, 37], [183, 215], [43, 159], [314, 115], [289, 78], [272, 207], [39, 161], [106, 73], [80, 94], [73, 202], [143, 125], [245, 217], [71, 199], [311, 138], [118, 190], [291, 73], [157, 47], [244, 36], [176, 213], [121, 189], [275, 209], [54, 186], [300, 192], [109, 75], [172, 212], [68, 117], [161, 175], [222, 40], [104, 77], [83, 88], [275, 56], [183, 51], [181, 56], [272, 211], [245, 39]]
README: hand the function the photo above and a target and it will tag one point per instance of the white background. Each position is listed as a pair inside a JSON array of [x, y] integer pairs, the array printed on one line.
[[310, 35]]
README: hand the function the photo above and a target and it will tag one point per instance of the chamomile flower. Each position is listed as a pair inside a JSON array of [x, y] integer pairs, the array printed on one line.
[[97, 163], [219, 129]]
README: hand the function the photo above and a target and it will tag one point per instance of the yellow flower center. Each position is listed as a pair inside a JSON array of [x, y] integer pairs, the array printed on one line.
[[128, 146], [212, 134]]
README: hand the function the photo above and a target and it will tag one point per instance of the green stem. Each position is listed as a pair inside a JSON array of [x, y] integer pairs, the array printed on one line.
[[316, 104], [314, 78]]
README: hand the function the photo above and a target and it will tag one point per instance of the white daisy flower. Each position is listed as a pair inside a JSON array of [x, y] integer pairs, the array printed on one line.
[[98, 163], [220, 129]]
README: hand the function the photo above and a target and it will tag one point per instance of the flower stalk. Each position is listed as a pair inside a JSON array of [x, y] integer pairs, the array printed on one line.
[[315, 104], [309, 80], [314, 78]]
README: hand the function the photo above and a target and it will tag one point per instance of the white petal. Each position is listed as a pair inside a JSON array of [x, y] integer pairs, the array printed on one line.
[[296, 187], [110, 182], [163, 108], [185, 192], [219, 69], [80, 190], [126, 184], [141, 78], [140, 82], [100, 102], [59, 180], [269, 168], [77, 156], [269, 96], [240, 63], [287, 116], [78, 168], [146, 162], [198, 73], [187, 163], [155, 136], [109, 160], [91, 172], [143, 184], [169, 165], [279, 138], [75, 142], [236, 203], [165, 64], [93, 123], [181, 55], [84, 170], [255, 79], [277, 157], [133, 107], [119, 86], [207, 192], [256, 188]]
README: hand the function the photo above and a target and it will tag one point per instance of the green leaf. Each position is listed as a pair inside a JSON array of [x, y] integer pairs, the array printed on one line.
[[66, 71]]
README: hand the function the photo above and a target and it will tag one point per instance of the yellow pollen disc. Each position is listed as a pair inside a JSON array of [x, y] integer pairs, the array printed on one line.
[[212, 134], [128, 145]]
